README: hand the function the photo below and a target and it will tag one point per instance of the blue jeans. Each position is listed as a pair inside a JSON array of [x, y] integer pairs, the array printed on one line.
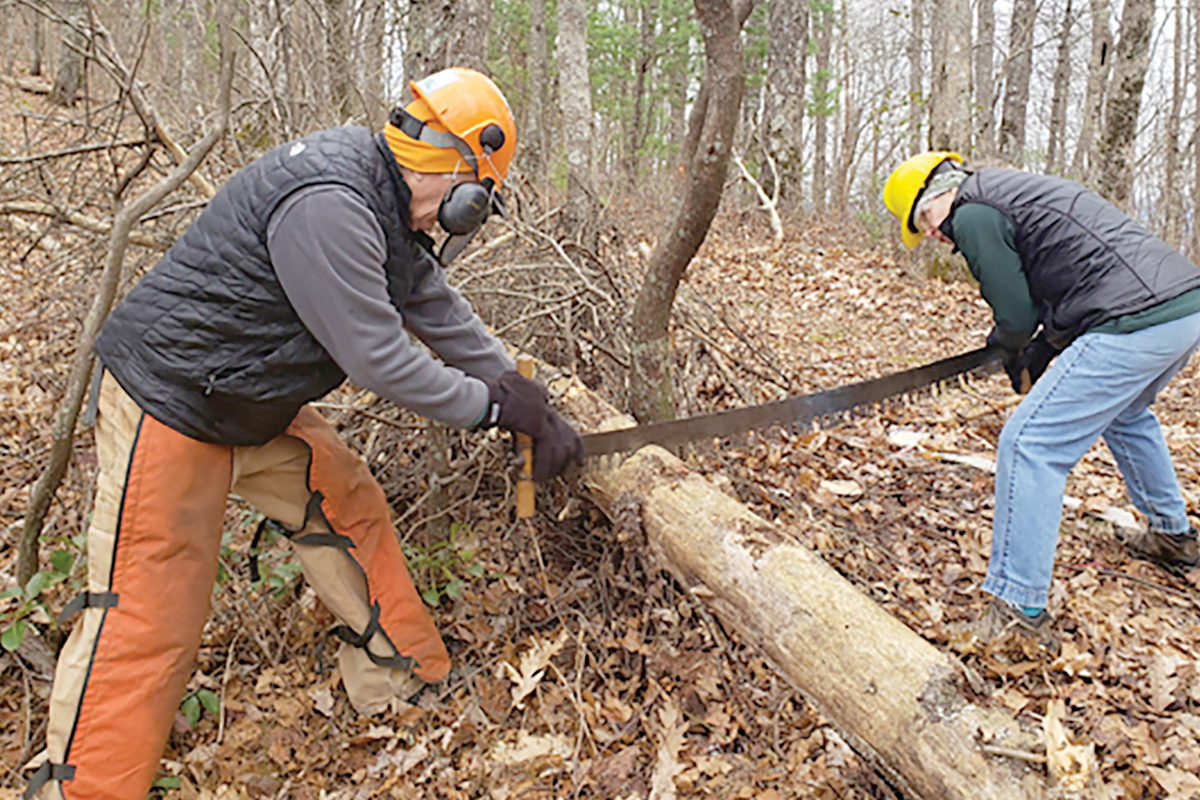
[[1102, 385]]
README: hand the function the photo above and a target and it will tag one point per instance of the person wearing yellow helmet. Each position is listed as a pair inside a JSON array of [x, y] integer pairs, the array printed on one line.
[[311, 265], [1094, 316]]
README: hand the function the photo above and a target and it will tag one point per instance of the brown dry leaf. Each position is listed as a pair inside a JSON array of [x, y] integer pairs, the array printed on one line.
[[493, 699], [1179, 785], [240, 732], [371, 734], [614, 709], [400, 763], [713, 765], [223, 792], [529, 747], [1013, 697], [613, 774], [322, 698], [533, 666], [667, 766], [289, 711], [1071, 659], [843, 488], [1163, 681], [1071, 765]]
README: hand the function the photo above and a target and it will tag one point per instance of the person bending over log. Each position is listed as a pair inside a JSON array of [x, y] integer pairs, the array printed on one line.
[[312, 264], [1095, 316]]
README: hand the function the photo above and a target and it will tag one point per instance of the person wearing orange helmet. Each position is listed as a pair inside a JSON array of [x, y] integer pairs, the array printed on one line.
[[1094, 316], [312, 264]]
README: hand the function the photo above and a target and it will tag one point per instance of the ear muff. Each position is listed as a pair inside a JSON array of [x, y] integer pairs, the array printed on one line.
[[464, 208], [491, 138]]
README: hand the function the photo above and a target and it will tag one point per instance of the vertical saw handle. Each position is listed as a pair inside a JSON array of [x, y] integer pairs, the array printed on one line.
[[525, 496]]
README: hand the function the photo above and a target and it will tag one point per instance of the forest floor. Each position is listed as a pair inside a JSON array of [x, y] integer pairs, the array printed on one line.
[[581, 669]]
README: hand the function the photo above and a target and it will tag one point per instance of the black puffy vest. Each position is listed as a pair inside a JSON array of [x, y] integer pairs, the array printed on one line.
[[207, 341], [1085, 260]]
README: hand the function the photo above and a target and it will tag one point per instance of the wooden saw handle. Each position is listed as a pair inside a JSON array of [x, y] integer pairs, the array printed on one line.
[[525, 496]]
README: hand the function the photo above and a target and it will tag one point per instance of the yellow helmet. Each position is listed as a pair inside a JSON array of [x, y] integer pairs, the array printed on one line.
[[904, 187]]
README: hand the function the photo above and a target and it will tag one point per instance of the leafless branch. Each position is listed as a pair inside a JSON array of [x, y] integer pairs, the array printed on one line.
[[68, 411]]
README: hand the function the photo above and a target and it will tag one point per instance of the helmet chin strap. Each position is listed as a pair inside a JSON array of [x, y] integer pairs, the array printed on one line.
[[414, 128]]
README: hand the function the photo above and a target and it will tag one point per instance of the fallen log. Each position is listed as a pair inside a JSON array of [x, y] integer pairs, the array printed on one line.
[[895, 697]]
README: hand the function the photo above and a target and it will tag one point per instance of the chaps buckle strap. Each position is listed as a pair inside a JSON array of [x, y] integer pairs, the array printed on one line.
[[348, 635], [88, 600], [45, 773]]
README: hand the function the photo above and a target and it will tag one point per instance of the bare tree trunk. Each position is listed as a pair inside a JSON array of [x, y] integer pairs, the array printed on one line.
[[1016, 82], [374, 57], [283, 16], [706, 159], [851, 117], [679, 79], [69, 77], [787, 52], [1196, 136], [534, 135], [428, 23], [647, 21], [186, 40], [337, 59], [916, 90], [1173, 207], [1055, 144], [575, 98], [1084, 160], [467, 43], [950, 97], [822, 101], [1131, 58], [39, 43], [67, 413], [985, 91]]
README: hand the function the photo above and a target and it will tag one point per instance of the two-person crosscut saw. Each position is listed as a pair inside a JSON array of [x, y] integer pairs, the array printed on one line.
[[796, 411]]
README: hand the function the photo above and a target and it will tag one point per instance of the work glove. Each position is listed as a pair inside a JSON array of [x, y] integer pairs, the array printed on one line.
[[1030, 364], [516, 403]]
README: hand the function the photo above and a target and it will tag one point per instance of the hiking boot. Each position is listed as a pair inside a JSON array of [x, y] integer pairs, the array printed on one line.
[[1001, 617], [1176, 553]]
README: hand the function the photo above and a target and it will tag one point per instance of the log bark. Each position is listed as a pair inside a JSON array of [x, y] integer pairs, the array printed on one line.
[[898, 699]]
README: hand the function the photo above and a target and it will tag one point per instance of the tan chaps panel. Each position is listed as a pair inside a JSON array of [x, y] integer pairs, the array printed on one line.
[[354, 506]]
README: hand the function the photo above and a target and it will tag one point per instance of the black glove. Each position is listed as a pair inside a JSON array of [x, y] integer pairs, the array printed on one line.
[[1031, 364], [1008, 357], [516, 403]]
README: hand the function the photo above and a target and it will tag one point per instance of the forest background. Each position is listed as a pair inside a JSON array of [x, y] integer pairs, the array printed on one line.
[[836, 93]]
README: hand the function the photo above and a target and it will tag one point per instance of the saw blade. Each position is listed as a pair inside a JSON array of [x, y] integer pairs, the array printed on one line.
[[797, 410]]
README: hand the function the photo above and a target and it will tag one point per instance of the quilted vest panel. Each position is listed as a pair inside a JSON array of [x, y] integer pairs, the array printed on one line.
[[1085, 260], [207, 341]]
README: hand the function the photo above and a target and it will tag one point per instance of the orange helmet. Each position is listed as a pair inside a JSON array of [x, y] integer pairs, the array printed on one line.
[[473, 114]]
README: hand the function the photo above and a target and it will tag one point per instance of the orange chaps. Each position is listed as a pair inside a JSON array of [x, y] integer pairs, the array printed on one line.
[[153, 547]]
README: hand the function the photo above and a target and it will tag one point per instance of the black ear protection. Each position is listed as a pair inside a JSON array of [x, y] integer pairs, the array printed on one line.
[[462, 213], [465, 207]]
